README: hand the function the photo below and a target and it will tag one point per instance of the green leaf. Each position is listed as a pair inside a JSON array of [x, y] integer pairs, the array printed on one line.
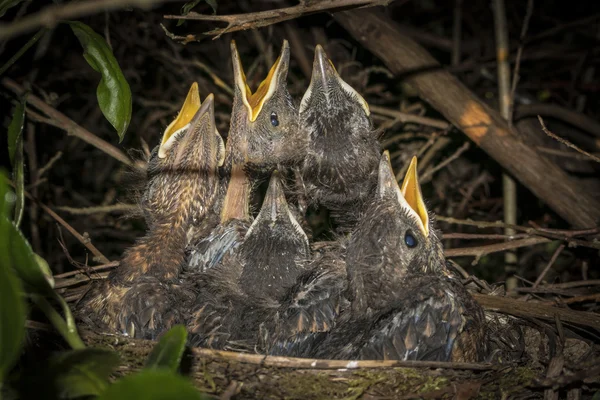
[[5, 5], [152, 385], [32, 273], [24, 261], [187, 7], [15, 153], [169, 350], [12, 305], [212, 4], [83, 372], [114, 94]]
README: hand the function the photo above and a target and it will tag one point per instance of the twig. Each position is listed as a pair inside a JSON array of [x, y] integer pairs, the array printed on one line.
[[480, 251], [99, 209], [428, 174], [238, 22], [515, 79], [49, 164], [566, 142], [456, 31], [75, 281], [565, 154], [100, 267], [297, 45], [559, 249], [407, 118], [70, 126], [556, 234], [487, 236], [85, 241], [22, 50], [439, 145], [51, 15], [580, 299], [574, 284]]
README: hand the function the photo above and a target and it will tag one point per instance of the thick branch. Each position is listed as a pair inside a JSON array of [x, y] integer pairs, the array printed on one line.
[[465, 110]]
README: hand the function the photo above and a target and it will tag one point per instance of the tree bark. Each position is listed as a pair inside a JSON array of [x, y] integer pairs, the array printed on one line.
[[409, 61]]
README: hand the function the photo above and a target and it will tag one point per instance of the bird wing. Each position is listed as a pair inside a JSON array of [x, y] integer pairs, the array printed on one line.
[[436, 321], [309, 311]]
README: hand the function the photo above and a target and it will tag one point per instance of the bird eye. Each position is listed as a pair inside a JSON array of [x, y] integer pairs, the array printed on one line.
[[410, 240], [274, 119]]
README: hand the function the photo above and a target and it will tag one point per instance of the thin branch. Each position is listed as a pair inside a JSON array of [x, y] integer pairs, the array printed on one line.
[[99, 209], [238, 22], [566, 142], [51, 15], [408, 118], [515, 80], [480, 251], [427, 175], [83, 240], [70, 126], [100, 267], [539, 279], [555, 234], [49, 164], [22, 50]]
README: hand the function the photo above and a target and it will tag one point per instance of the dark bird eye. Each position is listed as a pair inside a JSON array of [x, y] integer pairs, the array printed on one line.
[[410, 240], [274, 119]]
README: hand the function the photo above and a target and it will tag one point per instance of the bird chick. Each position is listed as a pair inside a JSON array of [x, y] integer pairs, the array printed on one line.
[[404, 302], [262, 134], [340, 167], [137, 298], [237, 295]]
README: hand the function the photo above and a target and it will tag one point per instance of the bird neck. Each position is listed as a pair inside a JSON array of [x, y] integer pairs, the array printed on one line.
[[236, 202], [161, 253]]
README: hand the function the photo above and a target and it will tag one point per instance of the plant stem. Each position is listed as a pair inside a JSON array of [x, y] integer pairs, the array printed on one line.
[[22, 50], [69, 334]]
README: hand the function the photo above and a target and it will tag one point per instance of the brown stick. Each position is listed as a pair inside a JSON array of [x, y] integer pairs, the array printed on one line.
[[462, 108], [480, 251], [68, 124]]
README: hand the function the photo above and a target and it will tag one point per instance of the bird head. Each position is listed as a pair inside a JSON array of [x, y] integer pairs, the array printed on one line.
[[183, 171], [275, 246], [264, 123], [331, 107], [395, 237]]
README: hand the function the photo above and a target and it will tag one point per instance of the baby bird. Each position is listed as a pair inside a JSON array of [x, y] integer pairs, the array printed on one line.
[[340, 167], [263, 133], [235, 296], [404, 303], [137, 298]]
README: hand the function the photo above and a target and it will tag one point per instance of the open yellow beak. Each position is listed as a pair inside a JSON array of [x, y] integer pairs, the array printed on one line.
[[412, 193], [254, 101], [187, 112]]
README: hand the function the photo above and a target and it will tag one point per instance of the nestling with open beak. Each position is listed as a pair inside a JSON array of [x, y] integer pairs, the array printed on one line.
[[404, 303], [239, 293], [139, 297], [263, 133], [340, 168]]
